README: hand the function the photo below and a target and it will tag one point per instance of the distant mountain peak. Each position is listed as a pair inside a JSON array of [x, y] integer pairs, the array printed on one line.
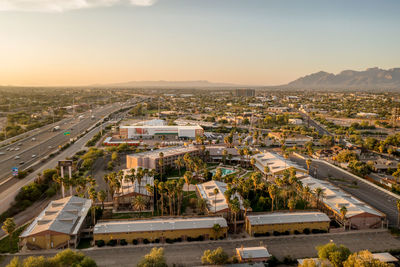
[[368, 79]]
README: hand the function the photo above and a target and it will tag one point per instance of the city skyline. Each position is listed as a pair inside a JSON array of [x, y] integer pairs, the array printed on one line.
[[72, 43]]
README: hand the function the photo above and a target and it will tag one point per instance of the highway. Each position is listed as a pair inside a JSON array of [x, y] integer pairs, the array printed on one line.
[[23, 153], [308, 120]]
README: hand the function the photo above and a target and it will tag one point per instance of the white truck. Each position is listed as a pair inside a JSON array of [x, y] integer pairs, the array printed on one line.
[[56, 128]]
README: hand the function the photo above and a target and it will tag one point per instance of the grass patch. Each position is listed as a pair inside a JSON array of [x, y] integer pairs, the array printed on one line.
[[6, 246], [84, 243]]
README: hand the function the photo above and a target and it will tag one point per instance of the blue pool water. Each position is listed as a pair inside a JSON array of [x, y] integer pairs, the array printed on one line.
[[224, 171]]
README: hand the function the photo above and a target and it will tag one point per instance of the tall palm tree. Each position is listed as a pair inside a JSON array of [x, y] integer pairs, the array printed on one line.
[[235, 208], [308, 163], [170, 191], [139, 176], [93, 197], [101, 196], [139, 203], [291, 204], [188, 178], [156, 183], [224, 155], [216, 191], [273, 191], [246, 206], [179, 163], [161, 188], [266, 171], [150, 190], [319, 193], [343, 212], [161, 164]]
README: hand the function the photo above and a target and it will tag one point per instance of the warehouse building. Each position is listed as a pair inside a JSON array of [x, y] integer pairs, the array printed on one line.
[[151, 159], [276, 163], [253, 254], [359, 215], [58, 225], [151, 131], [160, 230], [218, 203], [289, 222]]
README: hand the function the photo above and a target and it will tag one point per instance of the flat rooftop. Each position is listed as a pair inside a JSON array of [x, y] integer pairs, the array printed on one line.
[[124, 226], [275, 162], [169, 151], [253, 252], [287, 217]]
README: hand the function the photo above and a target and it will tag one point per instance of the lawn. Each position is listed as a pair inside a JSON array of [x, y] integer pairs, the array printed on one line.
[[6, 246]]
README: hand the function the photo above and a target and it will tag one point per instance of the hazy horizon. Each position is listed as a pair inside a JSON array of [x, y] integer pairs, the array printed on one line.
[[252, 42]]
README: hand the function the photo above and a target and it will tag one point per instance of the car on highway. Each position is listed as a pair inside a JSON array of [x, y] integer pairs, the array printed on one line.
[[2, 153], [12, 149], [33, 156], [20, 144], [33, 139], [8, 149], [17, 148], [22, 163], [49, 147], [17, 157]]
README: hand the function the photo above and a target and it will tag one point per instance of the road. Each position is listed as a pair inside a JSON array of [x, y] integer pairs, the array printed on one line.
[[47, 141], [189, 253], [363, 191], [307, 119]]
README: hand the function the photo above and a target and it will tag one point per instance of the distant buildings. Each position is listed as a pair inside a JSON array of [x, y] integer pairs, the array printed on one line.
[[292, 139], [290, 222], [151, 159], [151, 131], [296, 121], [58, 226], [278, 109], [161, 230], [275, 163], [245, 92]]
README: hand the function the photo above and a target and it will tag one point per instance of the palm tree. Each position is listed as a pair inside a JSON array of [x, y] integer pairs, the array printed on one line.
[[170, 191], [319, 193], [9, 227], [224, 154], [156, 183], [266, 171], [59, 180], [235, 208], [93, 197], [217, 229], [273, 191], [101, 196], [161, 188], [398, 210], [343, 212], [188, 178], [179, 163], [139, 176], [308, 162], [139, 203], [216, 191], [291, 204], [246, 206], [161, 164], [253, 161]]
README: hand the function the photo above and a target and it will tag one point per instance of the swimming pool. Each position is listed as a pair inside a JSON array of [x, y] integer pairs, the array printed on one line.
[[224, 171]]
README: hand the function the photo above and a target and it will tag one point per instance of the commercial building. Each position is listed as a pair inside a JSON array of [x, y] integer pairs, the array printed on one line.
[[151, 131], [276, 163], [161, 229], [245, 92], [286, 222], [253, 254], [58, 225], [151, 159], [128, 191], [292, 139], [359, 215], [217, 203]]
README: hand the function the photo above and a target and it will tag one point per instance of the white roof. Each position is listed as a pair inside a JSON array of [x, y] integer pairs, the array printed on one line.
[[206, 191], [275, 162], [157, 225], [287, 217], [169, 151], [335, 198], [253, 252], [64, 215], [127, 187], [163, 127], [384, 257]]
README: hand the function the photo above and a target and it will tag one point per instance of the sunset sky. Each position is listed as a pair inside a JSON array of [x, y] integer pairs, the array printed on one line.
[[254, 42]]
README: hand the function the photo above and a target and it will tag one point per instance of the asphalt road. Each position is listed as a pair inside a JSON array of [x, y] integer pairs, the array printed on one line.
[[189, 253], [363, 191], [307, 119], [47, 141]]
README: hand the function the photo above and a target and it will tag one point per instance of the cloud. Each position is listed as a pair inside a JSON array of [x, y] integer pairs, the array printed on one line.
[[64, 5]]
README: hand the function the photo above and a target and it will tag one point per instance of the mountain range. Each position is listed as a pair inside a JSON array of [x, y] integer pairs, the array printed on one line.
[[372, 78]]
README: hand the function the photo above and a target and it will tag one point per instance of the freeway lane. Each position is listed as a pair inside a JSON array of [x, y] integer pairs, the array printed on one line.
[[363, 191], [320, 129], [48, 141], [8, 194]]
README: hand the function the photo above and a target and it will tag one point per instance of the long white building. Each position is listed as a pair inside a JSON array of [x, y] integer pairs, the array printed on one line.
[[148, 131]]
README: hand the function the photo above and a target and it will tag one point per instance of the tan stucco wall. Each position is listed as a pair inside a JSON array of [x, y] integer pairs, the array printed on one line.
[[291, 227]]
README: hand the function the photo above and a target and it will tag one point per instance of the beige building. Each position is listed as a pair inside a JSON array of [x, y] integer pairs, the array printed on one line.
[[359, 215], [286, 221], [253, 254], [276, 163], [161, 229], [58, 225], [150, 159], [292, 139]]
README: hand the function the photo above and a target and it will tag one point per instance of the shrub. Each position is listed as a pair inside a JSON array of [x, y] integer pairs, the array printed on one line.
[[306, 231], [134, 242], [276, 233], [123, 242], [286, 233], [146, 241], [296, 232], [157, 241], [215, 257], [100, 243], [315, 231], [169, 241], [112, 243]]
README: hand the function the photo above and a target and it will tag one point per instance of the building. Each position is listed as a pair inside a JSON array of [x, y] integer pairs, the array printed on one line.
[[151, 131], [282, 222], [253, 254], [216, 203], [161, 229], [359, 215], [151, 159], [245, 92], [58, 226], [128, 191], [276, 163], [278, 109], [292, 139], [296, 121]]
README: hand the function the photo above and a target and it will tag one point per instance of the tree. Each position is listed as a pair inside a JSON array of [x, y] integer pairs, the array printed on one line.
[[273, 191], [398, 212], [9, 227], [216, 228], [93, 196], [364, 258], [188, 178], [291, 204], [335, 254], [319, 194], [101, 196], [308, 163], [214, 257], [343, 212], [266, 171], [154, 259], [179, 163], [139, 203], [216, 191], [235, 208], [246, 206]]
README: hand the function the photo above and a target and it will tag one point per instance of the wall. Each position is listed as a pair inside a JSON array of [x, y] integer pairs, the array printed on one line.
[[43, 240], [282, 227]]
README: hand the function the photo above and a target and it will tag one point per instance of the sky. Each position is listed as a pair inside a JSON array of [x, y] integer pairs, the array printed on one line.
[[252, 42]]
